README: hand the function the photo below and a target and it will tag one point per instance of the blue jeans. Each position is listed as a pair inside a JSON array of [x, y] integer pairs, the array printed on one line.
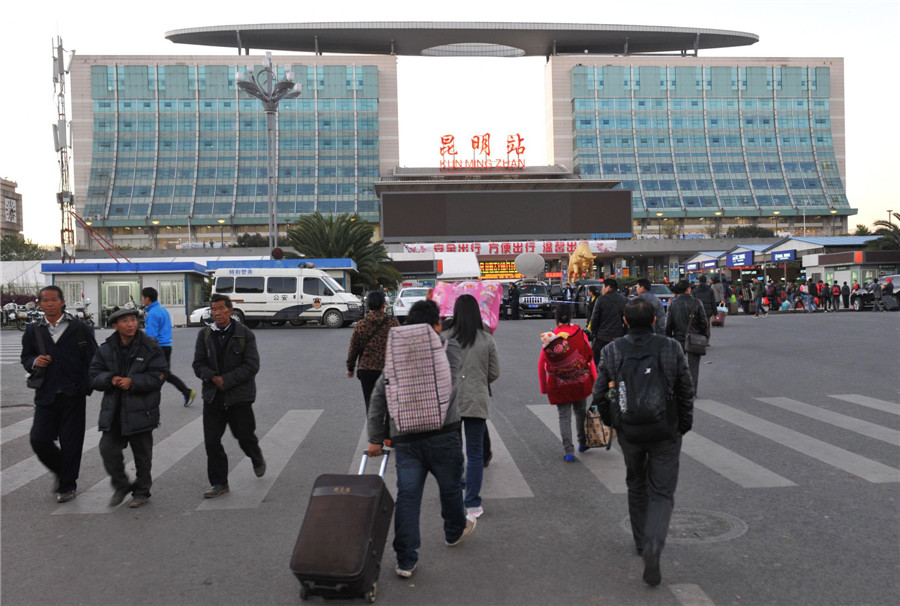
[[474, 429], [442, 456], [759, 306]]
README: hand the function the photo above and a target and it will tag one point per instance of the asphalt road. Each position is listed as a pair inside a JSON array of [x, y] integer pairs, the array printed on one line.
[[789, 490]]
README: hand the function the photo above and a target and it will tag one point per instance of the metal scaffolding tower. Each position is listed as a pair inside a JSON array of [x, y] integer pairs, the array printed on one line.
[[64, 197]]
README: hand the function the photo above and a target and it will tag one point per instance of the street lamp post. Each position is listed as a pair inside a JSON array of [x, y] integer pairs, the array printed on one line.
[[833, 217], [264, 86], [659, 218], [718, 214], [222, 232], [155, 231], [775, 214], [890, 220]]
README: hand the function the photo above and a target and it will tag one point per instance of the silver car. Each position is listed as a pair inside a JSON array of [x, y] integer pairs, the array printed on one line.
[[405, 299]]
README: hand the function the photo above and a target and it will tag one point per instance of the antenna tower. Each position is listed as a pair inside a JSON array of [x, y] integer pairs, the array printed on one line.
[[64, 197]]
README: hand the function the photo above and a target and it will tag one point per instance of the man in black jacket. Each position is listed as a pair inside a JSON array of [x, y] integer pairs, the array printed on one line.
[[227, 360], [707, 296], [67, 346], [679, 323], [606, 317], [130, 369], [651, 461]]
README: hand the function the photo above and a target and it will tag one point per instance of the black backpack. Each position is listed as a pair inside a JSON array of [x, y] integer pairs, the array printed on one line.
[[645, 404]]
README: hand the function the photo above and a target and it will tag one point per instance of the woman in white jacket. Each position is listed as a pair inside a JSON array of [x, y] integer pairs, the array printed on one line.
[[480, 367]]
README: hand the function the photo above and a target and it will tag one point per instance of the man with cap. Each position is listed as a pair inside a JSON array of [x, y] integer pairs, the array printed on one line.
[[130, 369], [59, 348]]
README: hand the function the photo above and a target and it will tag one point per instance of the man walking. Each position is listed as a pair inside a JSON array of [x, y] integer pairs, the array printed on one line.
[[438, 452], [130, 369], [158, 324], [643, 368], [606, 317], [227, 360], [659, 310], [758, 291], [845, 295], [62, 357], [679, 323]]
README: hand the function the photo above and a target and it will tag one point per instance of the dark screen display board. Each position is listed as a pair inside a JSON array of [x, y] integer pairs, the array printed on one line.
[[472, 215]]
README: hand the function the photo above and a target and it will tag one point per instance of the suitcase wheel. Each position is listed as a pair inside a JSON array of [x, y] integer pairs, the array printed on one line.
[[370, 595]]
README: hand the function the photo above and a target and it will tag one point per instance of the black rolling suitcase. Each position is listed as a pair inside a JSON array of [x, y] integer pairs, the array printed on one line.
[[890, 303], [338, 552]]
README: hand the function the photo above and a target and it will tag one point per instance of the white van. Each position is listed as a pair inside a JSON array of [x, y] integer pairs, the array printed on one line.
[[296, 295]]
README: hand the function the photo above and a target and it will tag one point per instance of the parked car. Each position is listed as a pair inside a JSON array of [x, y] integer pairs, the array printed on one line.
[[405, 299], [664, 293], [200, 317], [534, 299], [862, 299], [581, 295]]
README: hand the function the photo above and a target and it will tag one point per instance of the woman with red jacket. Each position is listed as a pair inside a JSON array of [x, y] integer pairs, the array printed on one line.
[[566, 371]]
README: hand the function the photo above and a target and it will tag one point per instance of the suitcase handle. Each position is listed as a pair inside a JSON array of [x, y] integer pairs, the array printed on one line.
[[384, 462]]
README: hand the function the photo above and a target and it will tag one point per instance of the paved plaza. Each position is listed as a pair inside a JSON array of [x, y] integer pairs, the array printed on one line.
[[789, 490]]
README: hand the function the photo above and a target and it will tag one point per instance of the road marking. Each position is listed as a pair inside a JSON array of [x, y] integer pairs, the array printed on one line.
[[23, 472], [850, 462], [16, 430], [608, 466], [891, 407], [165, 454], [689, 594], [278, 446], [871, 430], [729, 464]]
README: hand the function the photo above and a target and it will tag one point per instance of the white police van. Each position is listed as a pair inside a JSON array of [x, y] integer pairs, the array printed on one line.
[[277, 296]]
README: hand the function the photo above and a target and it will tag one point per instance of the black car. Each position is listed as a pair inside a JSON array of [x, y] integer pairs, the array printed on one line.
[[862, 299], [581, 295], [534, 299]]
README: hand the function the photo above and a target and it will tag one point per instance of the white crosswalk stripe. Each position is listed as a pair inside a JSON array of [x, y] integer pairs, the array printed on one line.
[[278, 446], [16, 430], [891, 407], [11, 348], [165, 455], [689, 594], [871, 430], [729, 464], [855, 464], [608, 466], [18, 475]]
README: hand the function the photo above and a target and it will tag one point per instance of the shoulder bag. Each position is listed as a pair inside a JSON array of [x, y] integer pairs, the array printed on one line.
[[694, 343]]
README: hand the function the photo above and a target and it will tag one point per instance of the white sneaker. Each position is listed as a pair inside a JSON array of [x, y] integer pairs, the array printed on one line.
[[470, 526], [403, 572], [475, 512]]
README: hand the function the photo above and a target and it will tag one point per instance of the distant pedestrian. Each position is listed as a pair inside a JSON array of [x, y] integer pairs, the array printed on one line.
[[835, 296], [643, 289], [746, 297], [227, 360], [158, 325], [607, 317], [130, 369], [593, 293], [514, 300], [888, 288], [877, 296], [758, 291], [845, 295], [367, 344], [649, 423], [64, 353], [566, 373]]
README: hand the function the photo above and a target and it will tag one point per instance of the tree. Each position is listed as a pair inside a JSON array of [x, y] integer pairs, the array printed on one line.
[[862, 230], [749, 231], [345, 236], [889, 232], [252, 241], [16, 248]]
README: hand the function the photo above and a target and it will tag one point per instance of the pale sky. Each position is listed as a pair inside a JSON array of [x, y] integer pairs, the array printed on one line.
[[459, 96]]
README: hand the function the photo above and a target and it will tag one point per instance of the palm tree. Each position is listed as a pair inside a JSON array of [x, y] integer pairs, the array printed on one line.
[[345, 236], [862, 230], [889, 232]]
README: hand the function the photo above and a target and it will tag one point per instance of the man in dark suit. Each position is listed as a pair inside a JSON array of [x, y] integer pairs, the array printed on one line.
[[63, 357]]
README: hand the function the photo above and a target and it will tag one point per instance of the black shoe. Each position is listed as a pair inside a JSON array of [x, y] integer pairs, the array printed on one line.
[[259, 466], [65, 497], [652, 575], [215, 491], [138, 501], [119, 496], [487, 458]]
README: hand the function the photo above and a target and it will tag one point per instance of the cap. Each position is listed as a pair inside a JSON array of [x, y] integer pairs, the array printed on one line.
[[121, 313]]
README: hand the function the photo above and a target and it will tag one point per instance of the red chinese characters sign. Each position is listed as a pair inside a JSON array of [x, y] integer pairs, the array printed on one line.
[[481, 153], [541, 247]]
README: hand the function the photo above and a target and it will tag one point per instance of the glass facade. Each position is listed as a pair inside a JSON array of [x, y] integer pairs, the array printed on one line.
[[172, 141], [696, 140]]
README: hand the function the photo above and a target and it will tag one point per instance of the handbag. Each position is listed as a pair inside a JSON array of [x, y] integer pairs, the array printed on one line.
[[596, 433], [694, 343], [35, 378]]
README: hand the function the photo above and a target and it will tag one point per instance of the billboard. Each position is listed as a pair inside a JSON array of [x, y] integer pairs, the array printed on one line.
[[740, 259], [784, 255], [506, 215]]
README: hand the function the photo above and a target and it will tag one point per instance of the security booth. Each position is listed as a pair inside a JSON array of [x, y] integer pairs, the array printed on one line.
[[112, 285], [860, 266]]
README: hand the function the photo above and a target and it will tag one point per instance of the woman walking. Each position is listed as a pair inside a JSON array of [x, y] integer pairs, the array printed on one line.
[[368, 342], [566, 371], [480, 367]]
